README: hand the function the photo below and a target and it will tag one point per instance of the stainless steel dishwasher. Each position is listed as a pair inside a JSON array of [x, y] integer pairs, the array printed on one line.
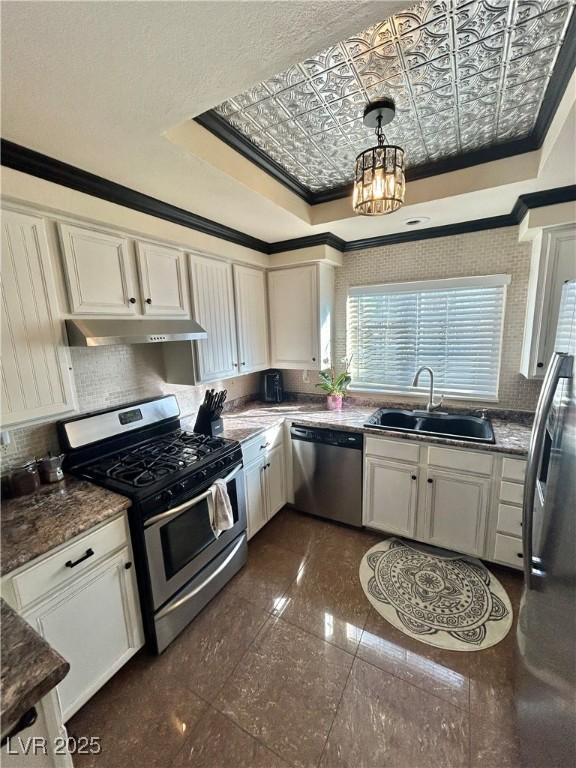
[[327, 467]]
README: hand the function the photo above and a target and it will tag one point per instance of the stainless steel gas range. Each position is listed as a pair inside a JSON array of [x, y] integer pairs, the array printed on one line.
[[141, 451]]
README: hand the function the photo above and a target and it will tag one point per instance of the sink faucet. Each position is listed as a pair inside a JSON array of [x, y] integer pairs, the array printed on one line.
[[431, 405]]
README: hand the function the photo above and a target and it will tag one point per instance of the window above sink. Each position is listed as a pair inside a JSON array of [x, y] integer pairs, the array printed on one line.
[[452, 325]]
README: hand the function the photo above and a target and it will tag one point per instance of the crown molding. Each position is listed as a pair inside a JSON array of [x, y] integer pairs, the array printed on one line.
[[36, 164], [44, 167]]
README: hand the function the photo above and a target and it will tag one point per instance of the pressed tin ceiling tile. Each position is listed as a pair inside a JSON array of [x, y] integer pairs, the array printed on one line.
[[465, 76]]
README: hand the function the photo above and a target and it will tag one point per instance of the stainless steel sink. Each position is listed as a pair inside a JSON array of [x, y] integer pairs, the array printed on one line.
[[459, 427]]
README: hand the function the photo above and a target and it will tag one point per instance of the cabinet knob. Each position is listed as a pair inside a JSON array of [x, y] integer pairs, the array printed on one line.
[[132, 300], [313, 359], [430, 480], [235, 365], [519, 554], [148, 301], [128, 566], [539, 365], [242, 363], [414, 477]]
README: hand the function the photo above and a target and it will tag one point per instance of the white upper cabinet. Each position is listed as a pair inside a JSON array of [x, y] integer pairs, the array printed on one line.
[[213, 308], [553, 261], [163, 283], [251, 318], [99, 271], [301, 301], [36, 374]]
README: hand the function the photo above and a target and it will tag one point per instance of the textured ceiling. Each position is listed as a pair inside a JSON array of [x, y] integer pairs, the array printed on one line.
[[464, 75]]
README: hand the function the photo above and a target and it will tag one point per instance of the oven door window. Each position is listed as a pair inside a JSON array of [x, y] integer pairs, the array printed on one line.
[[184, 537]]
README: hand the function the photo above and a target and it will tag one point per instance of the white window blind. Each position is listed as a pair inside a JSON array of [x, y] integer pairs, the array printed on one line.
[[454, 326]]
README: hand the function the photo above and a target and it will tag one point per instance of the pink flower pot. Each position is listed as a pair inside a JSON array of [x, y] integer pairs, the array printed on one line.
[[334, 402]]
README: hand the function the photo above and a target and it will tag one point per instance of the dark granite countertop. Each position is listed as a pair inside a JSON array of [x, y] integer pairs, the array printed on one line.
[[30, 667], [33, 525], [511, 429]]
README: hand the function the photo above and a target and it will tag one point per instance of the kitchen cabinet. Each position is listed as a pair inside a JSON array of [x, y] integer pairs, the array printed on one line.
[[94, 625], [36, 372], [301, 303], [255, 486], [99, 270], [89, 612], [390, 496], [213, 308], [264, 478], [455, 510], [251, 318], [505, 538], [163, 280], [552, 262], [462, 500]]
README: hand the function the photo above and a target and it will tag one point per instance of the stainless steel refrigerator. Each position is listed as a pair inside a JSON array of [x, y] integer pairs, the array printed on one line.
[[546, 635]]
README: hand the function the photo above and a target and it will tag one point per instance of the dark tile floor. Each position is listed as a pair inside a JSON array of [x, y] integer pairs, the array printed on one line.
[[290, 666]]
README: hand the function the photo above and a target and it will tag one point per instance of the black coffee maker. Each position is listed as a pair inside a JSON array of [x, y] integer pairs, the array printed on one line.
[[272, 390]]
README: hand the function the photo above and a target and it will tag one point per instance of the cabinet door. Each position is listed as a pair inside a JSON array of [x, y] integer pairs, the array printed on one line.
[[99, 272], [293, 297], [36, 373], [456, 507], [213, 300], [163, 284], [255, 496], [275, 480], [390, 496], [95, 625], [251, 318]]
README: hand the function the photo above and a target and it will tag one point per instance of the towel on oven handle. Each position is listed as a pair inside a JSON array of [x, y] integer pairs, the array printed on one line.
[[223, 516]]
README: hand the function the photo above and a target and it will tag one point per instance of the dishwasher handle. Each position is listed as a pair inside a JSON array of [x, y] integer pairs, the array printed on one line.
[[339, 438]]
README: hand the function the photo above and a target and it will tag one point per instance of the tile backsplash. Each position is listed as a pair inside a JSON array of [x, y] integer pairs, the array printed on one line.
[[495, 251], [109, 376]]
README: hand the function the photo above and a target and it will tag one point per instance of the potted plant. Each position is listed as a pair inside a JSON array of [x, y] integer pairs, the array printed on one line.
[[335, 385]]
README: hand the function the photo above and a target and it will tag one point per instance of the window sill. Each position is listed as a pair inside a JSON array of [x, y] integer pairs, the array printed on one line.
[[419, 395]]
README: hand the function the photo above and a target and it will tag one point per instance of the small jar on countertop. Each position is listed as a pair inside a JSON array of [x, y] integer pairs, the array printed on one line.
[[24, 478]]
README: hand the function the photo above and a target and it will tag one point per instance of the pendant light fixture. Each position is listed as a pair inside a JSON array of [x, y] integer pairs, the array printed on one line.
[[379, 183]]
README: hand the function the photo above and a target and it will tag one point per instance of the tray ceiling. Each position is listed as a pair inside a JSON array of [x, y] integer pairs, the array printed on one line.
[[465, 76]]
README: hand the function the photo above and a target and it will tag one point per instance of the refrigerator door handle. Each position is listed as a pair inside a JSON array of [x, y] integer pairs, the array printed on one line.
[[560, 366]]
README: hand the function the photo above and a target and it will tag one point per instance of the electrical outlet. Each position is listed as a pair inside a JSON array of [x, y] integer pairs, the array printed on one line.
[[306, 377]]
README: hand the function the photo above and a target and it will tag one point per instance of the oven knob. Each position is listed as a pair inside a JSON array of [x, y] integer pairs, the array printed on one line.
[[167, 495], [181, 486]]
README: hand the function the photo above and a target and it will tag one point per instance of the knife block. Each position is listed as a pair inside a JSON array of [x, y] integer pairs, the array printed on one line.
[[206, 424]]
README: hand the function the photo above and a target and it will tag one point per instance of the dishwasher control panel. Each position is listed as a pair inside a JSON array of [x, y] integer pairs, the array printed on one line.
[[327, 436]]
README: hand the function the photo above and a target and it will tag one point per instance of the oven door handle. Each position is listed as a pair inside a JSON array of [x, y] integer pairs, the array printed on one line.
[[190, 503], [169, 608]]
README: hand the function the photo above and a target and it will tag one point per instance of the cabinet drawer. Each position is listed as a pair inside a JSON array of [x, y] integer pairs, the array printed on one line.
[[508, 549], [41, 579], [263, 442], [466, 461], [393, 449], [510, 519], [514, 469], [511, 492]]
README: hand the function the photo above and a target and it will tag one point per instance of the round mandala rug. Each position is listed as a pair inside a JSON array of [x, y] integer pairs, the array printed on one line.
[[442, 600]]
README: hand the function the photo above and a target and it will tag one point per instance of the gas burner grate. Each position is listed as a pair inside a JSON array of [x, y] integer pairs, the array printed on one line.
[[148, 463]]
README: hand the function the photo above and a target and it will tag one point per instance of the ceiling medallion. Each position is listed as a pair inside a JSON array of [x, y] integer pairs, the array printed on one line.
[[379, 171]]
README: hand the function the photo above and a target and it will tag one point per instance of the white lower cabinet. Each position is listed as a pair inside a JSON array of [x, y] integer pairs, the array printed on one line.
[[456, 506], [83, 599], [255, 496], [94, 625], [264, 478], [462, 500], [390, 496]]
